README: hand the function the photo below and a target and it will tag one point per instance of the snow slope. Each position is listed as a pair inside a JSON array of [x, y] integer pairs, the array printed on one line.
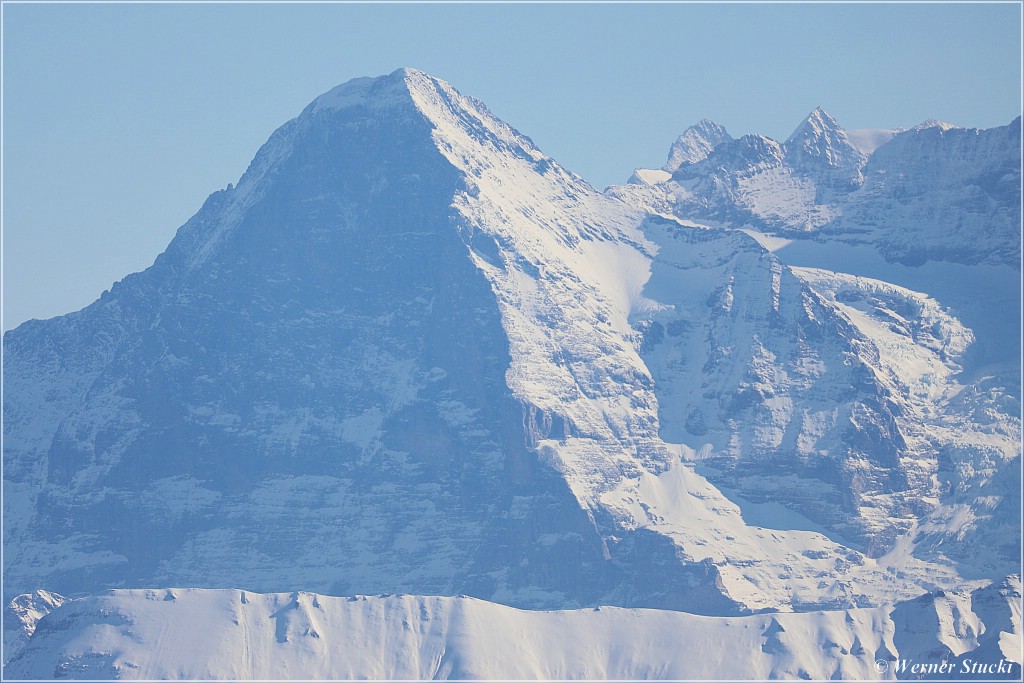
[[867, 140], [409, 352], [934, 192], [908, 257], [232, 634]]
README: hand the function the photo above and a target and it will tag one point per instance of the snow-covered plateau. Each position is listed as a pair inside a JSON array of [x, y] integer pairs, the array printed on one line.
[[754, 415]]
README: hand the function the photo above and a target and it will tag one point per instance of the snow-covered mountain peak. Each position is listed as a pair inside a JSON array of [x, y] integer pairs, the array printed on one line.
[[367, 91], [934, 123], [818, 122], [820, 148], [401, 86], [695, 144], [749, 151], [709, 127], [425, 322]]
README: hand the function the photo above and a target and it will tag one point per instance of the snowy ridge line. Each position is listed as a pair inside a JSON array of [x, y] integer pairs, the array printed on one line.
[[903, 192], [552, 232], [235, 634], [934, 209], [615, 460]]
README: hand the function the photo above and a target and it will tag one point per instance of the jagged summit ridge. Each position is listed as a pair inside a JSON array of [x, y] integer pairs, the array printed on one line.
[[819, 148], [901, 191], [934, 123], [695, 144], [817, 122]]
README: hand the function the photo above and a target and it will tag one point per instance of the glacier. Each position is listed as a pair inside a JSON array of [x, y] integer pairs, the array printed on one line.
[[410, 353]]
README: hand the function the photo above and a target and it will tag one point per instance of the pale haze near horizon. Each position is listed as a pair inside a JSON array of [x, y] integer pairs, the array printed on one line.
[[119, 120]]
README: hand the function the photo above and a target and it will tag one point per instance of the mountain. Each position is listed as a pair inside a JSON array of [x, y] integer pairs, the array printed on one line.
[[232, 634], [820, 148], [692, 146], [941, 193], [695, 144], [914, 410], [396, 357], [931, 193], [21, 616], [802, 380], [323, 383], [410, 353]]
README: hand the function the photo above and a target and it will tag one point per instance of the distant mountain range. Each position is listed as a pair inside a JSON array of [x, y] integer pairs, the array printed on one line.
[[410, 353], [931, 193]]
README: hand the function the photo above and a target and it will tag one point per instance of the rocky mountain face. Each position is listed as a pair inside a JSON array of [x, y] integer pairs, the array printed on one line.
[[941, 194], [409, 352], [22, 615], [695, 144], [874, 400], [316, 384], [931, 193]]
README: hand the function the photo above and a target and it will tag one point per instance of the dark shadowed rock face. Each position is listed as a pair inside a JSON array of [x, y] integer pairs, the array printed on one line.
[[306, 390], [411, 353]]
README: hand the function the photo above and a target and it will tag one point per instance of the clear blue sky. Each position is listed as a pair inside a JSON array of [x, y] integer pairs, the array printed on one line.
[[120, 119]]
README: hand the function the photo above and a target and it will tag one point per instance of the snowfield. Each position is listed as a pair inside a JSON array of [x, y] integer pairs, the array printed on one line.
[[234, 634]]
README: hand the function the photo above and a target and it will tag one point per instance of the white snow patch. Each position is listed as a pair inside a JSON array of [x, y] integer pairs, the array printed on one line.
[[649, 176], [867, 140], [770, 242]]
